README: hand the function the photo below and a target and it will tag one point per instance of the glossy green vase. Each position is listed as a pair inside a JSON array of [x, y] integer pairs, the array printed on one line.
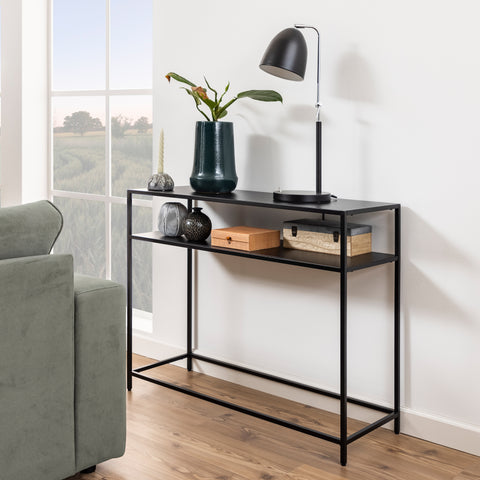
[[214, 158]]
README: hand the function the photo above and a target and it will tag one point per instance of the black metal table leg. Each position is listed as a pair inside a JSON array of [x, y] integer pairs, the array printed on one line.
[[189, 302], [343, 340], [129, 291], [397, 321]]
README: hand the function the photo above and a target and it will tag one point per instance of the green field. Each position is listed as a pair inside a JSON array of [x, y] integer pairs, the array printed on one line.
[[79, 166], [79, 162]]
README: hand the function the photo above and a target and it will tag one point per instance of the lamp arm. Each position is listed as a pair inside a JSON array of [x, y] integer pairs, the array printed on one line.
[[318, 104], [318, 124]]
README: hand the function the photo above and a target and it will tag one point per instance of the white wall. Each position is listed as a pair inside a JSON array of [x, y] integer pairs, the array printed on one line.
[[401, 102], [400, 89], [23, 164], [11, 55]]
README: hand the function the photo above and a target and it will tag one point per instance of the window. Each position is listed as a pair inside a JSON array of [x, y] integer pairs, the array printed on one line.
[[101, 133]]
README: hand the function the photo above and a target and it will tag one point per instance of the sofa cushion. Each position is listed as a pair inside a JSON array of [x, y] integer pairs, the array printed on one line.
[[29, 229]]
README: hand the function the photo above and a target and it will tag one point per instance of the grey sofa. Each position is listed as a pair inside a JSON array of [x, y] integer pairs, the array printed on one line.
[[62, 354]]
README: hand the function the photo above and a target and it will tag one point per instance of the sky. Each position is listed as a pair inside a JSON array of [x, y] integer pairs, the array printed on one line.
[[79, 54]]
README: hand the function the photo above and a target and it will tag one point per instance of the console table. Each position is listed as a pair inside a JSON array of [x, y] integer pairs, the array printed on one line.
[[341, 264]]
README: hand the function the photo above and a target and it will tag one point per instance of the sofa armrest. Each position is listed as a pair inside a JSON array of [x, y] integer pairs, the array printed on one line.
[[100, 370], [36, 367]]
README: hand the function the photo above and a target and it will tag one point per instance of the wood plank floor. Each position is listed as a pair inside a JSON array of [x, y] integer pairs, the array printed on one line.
[[172, 436]]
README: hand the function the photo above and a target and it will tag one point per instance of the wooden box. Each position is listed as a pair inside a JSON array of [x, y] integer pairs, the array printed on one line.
[[245, 238], [324, 236]]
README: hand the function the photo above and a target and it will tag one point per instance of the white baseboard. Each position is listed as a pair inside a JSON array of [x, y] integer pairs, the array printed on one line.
[[151, 348], [441, 430], [428, 427]]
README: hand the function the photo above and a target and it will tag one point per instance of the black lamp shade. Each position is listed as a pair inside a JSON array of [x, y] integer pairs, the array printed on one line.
[[286, 56]]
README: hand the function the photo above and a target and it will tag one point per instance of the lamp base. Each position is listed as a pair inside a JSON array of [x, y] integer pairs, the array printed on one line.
[[301, 196]]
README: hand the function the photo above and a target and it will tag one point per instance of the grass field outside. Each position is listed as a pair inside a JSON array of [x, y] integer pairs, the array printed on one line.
[[79, 166]]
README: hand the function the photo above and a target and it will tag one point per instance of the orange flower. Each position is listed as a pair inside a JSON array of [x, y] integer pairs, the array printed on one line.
[[201, 91], [168, 77]]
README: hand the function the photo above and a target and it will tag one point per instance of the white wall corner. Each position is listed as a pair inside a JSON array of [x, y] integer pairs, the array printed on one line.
[[24, 157], [34, 100], [11, 55]]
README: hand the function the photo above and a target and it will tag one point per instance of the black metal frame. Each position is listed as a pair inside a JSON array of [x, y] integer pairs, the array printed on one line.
[[342, 265]]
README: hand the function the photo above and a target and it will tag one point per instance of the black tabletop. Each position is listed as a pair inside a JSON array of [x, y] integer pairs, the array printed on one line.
[[265, 199]]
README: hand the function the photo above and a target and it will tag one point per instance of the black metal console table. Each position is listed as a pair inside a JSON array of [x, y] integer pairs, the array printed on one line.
[[335, 263]]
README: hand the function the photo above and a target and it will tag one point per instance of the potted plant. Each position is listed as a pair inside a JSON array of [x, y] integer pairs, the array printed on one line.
[[214, 158]]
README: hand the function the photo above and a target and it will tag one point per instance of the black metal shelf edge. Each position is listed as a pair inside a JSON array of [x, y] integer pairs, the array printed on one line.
[[321, 261], [239, 408], [391, 415], [265, 199]]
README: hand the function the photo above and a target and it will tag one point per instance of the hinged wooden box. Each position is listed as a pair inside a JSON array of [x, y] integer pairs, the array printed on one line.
[[245, 238], [324, 236]]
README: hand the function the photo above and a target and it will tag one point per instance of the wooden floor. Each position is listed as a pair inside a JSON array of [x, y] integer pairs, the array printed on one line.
[[172, 436]]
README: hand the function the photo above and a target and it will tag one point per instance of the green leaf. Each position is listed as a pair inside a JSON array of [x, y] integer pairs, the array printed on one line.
[[210, 103], [212, 89], [204, 114], [223, 114], [224, 108], [178, 78], [195, 96], [262, 95], [198, 101], [226, 90]]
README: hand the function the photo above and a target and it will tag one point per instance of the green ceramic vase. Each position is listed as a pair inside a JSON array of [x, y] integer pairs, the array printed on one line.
[[214, 158]]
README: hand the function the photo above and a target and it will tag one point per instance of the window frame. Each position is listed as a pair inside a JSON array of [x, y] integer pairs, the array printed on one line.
[[107, 198]]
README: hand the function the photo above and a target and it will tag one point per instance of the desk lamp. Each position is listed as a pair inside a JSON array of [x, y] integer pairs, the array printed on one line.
[[286, 57]]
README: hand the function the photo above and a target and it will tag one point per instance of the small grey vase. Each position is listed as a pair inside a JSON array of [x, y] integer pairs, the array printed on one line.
[[162, 182], [170, 219]]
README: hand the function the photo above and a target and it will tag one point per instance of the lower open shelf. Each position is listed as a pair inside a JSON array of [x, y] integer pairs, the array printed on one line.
[[321, 261], [388, 413]]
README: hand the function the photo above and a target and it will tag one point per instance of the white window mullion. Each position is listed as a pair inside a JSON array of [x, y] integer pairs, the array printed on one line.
[[91, 197], [49, 106], [108, 150], [108, 188], [137, 202], [101, 93]]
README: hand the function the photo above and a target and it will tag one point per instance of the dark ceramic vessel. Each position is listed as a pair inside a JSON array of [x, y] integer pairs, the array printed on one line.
[[214, 158], [197, 226]]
